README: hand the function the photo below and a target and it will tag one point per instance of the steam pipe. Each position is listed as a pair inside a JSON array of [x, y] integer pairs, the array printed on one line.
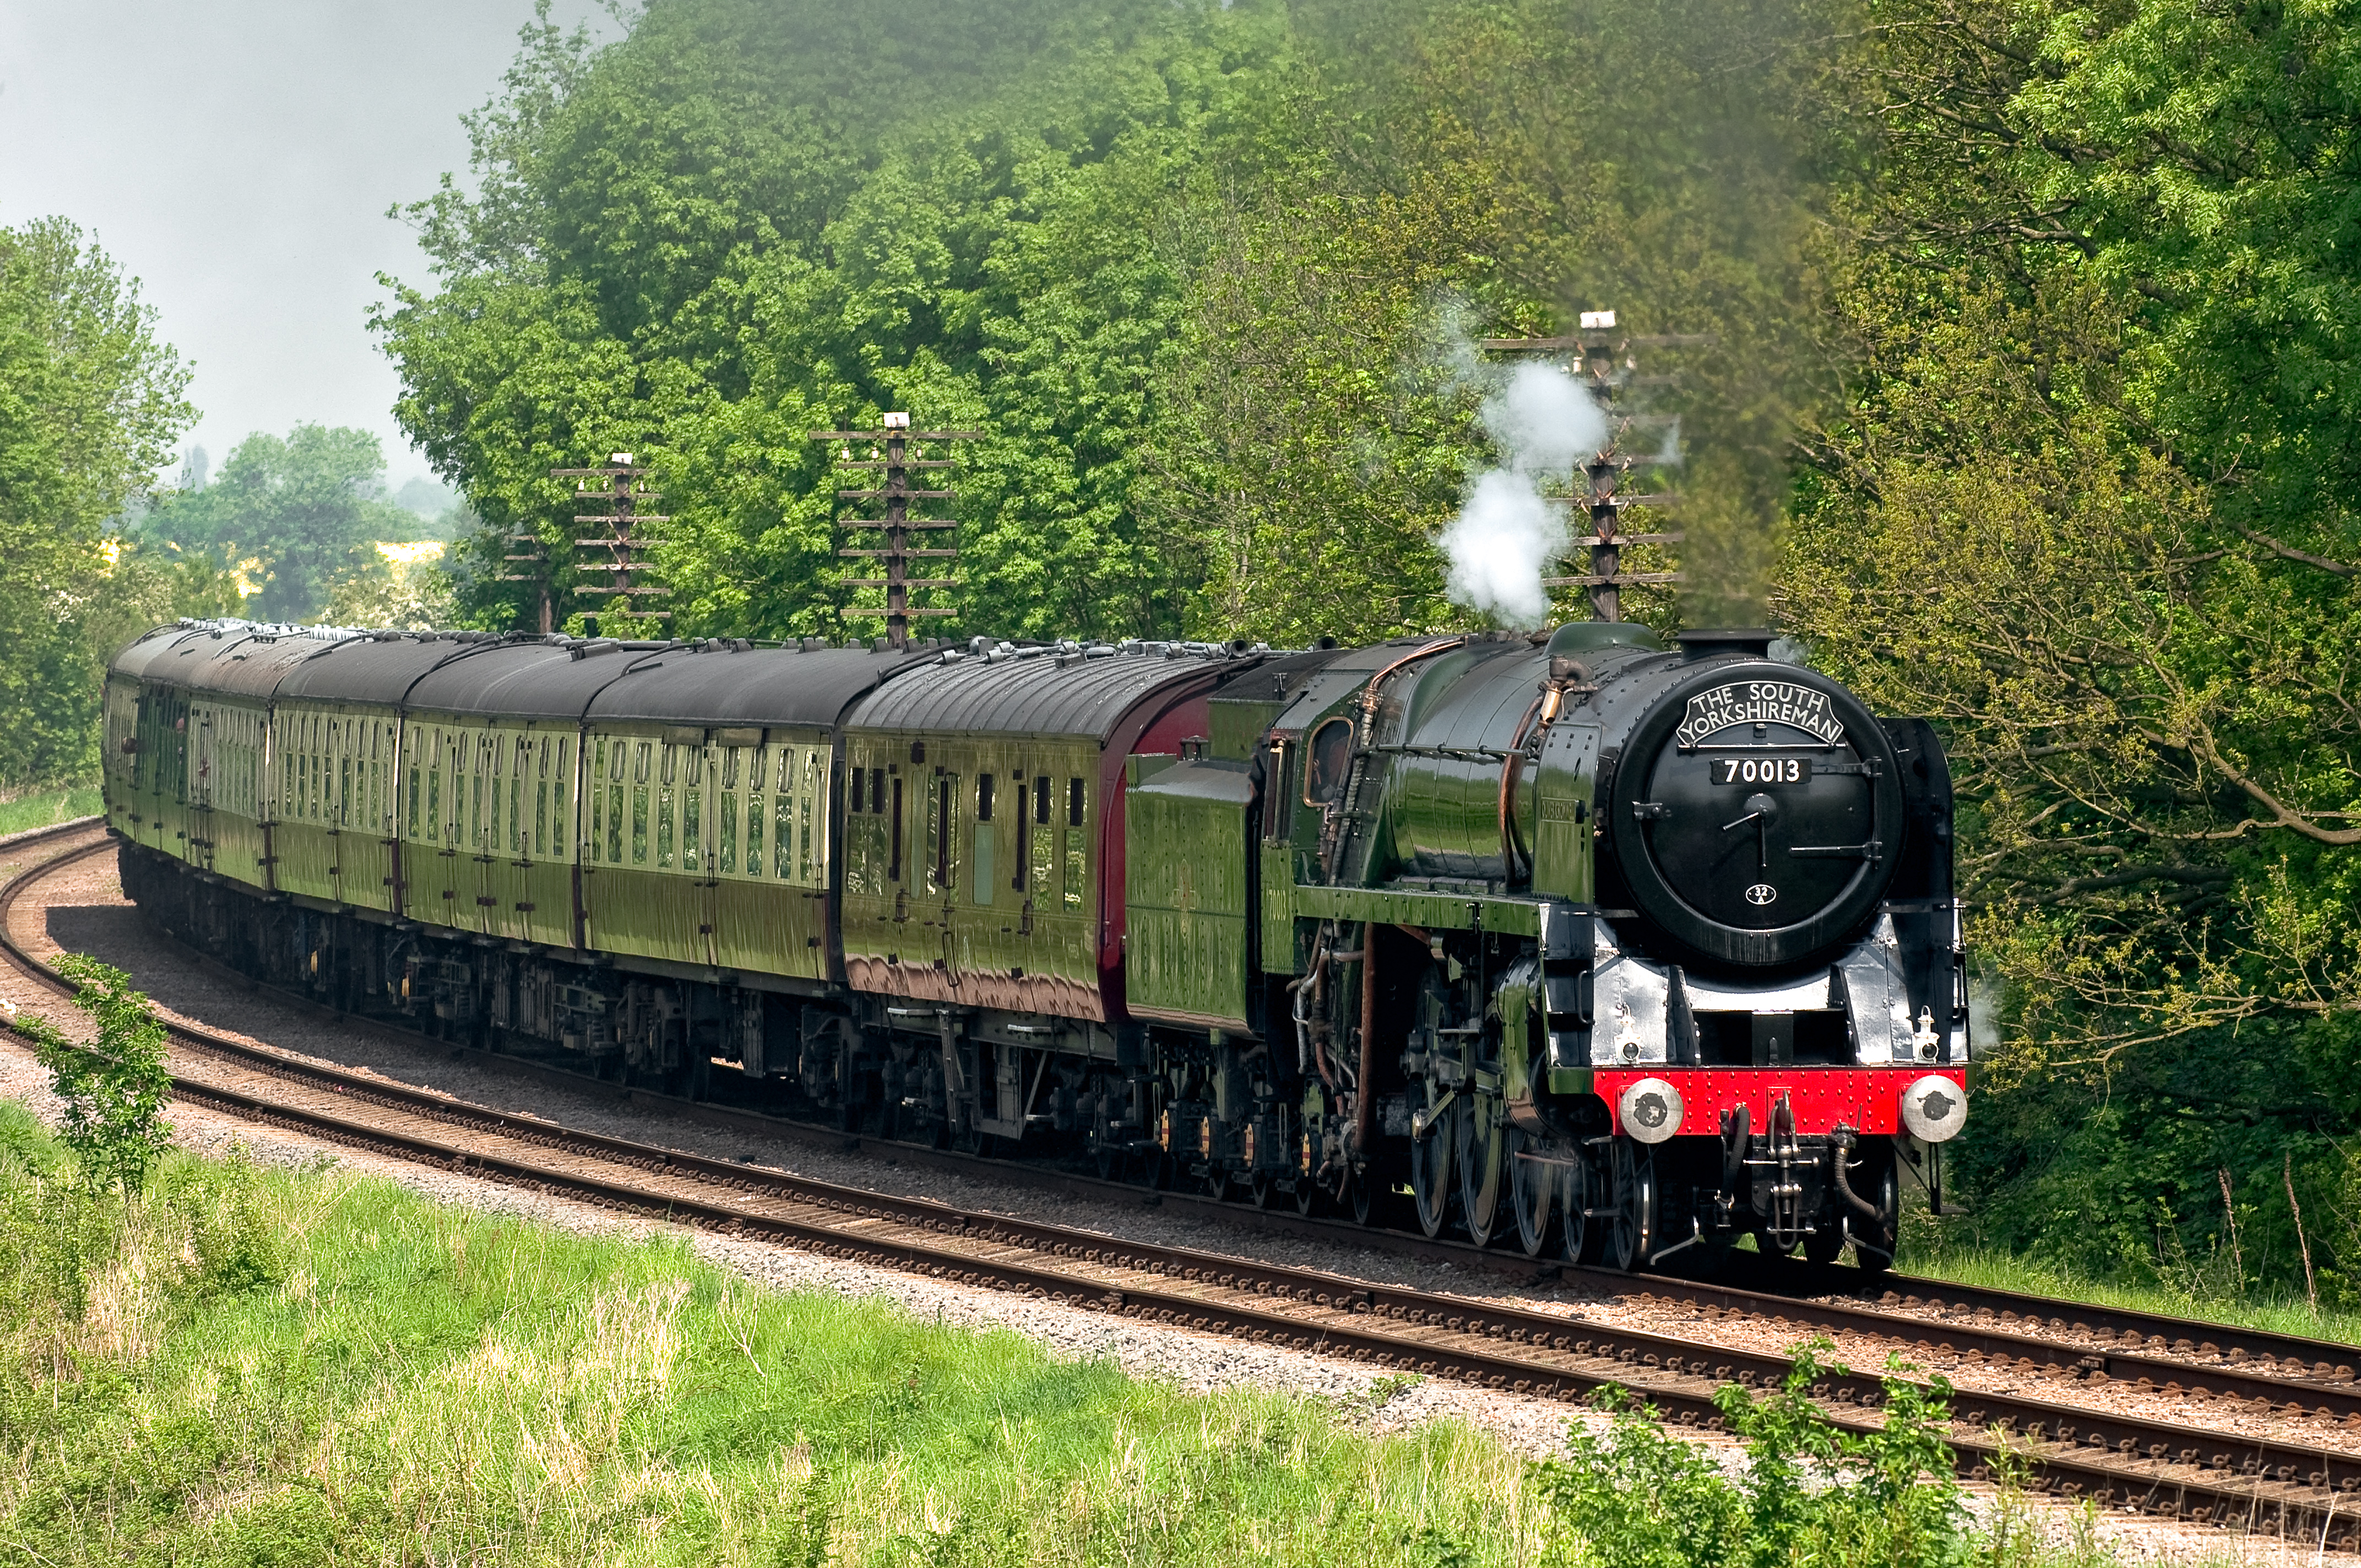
[[1839, 1147], [1365, 1104], [1509, 791]]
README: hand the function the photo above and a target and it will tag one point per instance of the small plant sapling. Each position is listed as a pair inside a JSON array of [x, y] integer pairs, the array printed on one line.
[[113, 1087]]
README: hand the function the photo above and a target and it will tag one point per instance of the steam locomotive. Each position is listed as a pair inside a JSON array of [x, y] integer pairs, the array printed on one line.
[[1570, 942]]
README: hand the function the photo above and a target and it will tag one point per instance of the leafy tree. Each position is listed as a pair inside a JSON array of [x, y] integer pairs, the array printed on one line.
[[90, 405], [114, 1088], [291, 513]]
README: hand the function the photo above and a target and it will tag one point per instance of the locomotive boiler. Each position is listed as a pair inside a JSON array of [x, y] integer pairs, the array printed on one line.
[[1575, 941]]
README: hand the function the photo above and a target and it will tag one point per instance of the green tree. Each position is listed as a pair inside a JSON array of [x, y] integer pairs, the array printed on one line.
[[115, 1086], [290, 513], [90, 404]]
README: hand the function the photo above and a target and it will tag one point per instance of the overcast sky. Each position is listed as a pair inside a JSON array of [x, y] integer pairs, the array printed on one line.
[[237, 156]]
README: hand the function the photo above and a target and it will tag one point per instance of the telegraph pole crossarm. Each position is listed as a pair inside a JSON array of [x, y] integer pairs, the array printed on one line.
[[889, 449]]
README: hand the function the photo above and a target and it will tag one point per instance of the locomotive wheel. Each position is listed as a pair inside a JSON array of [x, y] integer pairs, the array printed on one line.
[[1532, 1191], [1583, 1234], [1482, 1145], [1634, 1235], [1308, 1196], [1262, 1190], [1429, 1179], [1360, 1196], [1217, 1182]]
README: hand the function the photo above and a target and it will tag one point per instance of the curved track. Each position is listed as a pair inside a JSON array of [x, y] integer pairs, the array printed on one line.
[[2176, 1467]]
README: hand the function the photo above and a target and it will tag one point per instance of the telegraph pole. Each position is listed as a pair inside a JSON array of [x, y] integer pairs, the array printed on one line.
[[1601, 357], [889, 449], [619, 557]]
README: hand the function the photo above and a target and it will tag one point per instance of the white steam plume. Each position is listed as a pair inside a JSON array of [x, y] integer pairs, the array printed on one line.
[[1543, 423]]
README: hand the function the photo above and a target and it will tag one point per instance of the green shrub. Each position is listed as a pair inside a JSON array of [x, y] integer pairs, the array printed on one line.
[[1810, 1494]]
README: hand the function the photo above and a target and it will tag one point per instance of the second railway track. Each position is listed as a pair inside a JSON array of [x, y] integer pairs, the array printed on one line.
[[2181, 1468]]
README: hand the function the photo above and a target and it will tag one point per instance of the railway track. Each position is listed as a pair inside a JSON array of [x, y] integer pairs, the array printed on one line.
[[2181, 1468]]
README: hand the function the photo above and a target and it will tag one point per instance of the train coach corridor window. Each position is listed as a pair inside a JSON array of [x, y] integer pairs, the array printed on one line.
[[942, 825], [562, 795], [1077, 852], [812, 854], [755, 810], [893, 863], [979, 875], [1024, 837], [783, 820], [668, 802], [1043, 841]]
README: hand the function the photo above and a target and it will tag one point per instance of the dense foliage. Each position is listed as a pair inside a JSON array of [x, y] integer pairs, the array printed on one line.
[[288, 516], [89, 403]]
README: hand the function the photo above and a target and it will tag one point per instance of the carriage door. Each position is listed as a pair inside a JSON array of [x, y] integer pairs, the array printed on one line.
[[701, 838], [201, 802]]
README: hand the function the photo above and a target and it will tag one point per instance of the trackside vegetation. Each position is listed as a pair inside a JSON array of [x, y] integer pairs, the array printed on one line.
[[241, 1365]]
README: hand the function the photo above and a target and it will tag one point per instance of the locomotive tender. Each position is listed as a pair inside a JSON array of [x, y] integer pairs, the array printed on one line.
[[1614, 948]]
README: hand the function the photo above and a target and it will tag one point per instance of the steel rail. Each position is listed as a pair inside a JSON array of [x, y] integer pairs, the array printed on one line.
[[2217, 1476]]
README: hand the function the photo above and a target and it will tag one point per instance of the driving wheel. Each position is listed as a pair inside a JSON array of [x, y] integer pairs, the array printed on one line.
[[1430, 1176], [1633, 1178], [1534, 1184], [1481, 1141]]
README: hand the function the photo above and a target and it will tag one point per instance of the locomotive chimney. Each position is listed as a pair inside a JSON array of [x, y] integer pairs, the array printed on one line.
[[1752, 643]]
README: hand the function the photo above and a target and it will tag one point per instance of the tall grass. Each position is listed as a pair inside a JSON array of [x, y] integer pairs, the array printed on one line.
[[30, 811]]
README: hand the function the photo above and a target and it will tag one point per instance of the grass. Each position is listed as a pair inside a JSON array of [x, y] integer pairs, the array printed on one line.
[[309, 1368], [2004, 1271], [32, 811]]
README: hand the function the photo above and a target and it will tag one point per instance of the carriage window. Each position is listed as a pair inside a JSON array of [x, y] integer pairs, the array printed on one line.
[[1041, 800], [893, 867], [1074, 802], [983, 798], [876, 793], [783, 830], [558, 790], [729, 768], [727, 849], [859, 779], [671, 761]]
